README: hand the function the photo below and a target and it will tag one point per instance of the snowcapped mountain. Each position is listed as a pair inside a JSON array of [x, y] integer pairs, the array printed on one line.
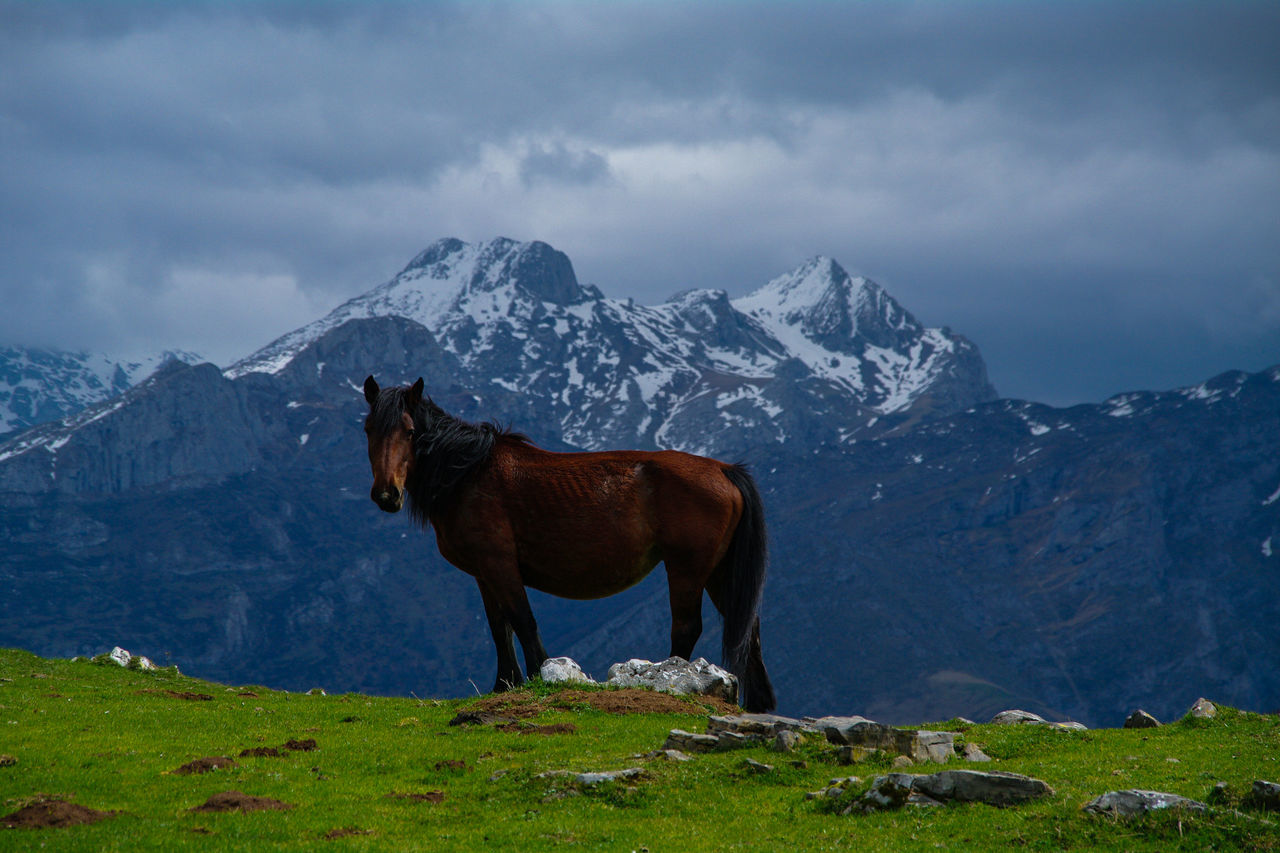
[[994, 554], [697, 372], [40, 385]]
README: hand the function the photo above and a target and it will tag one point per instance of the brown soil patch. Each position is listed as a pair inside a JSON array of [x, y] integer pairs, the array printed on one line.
[[261, 752], [451, 764], [307, 745], [345, 832], [173, 694], [248, 693], [428, 797], [51, 813], [235, 801], [534, 729], [627, 700], [7, 761], [204, 765]]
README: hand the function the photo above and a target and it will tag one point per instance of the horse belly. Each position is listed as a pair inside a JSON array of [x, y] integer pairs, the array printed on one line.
[[588, 567]]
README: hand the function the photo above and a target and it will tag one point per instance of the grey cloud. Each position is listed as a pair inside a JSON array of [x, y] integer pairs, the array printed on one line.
[[557, 162], [983, 160]]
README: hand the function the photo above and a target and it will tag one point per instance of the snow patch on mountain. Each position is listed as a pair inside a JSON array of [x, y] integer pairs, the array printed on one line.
[[40, 385]]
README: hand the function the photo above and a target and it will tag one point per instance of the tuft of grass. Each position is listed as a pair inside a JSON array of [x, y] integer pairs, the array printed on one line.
[[392, 773]]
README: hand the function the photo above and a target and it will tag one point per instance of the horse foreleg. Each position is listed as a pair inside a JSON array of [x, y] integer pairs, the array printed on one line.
[[509, 674], [512, 602]]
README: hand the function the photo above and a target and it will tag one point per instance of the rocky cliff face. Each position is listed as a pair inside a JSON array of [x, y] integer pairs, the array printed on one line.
[[935, 551]]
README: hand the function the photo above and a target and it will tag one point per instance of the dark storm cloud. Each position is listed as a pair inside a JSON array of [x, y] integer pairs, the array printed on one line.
[[1089, 191]]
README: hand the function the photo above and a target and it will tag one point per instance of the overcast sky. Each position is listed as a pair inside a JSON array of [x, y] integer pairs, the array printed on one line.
[[1089, 191]]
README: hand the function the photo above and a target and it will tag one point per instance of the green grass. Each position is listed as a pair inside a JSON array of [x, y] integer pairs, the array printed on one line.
[[89, 734]]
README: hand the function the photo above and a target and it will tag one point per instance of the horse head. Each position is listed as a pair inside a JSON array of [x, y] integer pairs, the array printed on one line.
[[389, 427]]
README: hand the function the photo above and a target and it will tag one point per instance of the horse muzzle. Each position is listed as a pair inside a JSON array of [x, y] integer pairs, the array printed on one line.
[[388, 498]]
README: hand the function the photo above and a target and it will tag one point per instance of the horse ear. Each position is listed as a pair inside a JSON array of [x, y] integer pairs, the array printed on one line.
[[371, 390], [415, 393]]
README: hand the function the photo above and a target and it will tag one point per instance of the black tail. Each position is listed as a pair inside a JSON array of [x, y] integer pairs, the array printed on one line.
[[741, 580]]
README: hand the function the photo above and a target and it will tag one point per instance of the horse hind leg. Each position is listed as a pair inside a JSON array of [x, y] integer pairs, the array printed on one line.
[[686, 615], [757, 689]]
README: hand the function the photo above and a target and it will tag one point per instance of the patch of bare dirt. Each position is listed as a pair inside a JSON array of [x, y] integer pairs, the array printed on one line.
[[235, 801], [261, 752], [307, 745], [52, 813], [627, 700], [204, 765], [346, 832], [174, 694], [428, 797], [248, 693], [535, 729], [451, 764]]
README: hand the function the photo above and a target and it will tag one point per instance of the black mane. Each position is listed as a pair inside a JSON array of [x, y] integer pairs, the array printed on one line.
[[447, 450]]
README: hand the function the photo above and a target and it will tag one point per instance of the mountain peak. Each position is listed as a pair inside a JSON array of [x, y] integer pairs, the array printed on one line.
[[829, 306], [535, 268]]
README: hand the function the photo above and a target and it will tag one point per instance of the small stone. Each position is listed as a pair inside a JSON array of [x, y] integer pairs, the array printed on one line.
[[856, 754], [1069, 726], [590, 780], [562, 669], [1265, 795], [1140, 720], [732, 740], [316, 691], [857, 731], [786, 741], [1133, 802], [7, 761], [973, 752], [120, 656], [684, 741], [758, 766], [1220, 795], [993, 788], [669, 755], [1018, 717], [1203, 709], [760, 725], [903, 761], [922, 746], [141, 663]]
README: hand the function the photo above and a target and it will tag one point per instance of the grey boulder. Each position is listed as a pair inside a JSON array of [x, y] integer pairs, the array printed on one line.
[[676, 675], [1134, 802]]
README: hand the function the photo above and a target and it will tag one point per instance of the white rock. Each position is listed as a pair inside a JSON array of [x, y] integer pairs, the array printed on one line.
[[556, 670], [676, 675], [120, 656]]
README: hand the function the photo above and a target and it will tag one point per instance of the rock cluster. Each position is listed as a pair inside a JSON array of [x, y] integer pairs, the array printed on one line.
[[676, 675], [122, 657], [857, 737]]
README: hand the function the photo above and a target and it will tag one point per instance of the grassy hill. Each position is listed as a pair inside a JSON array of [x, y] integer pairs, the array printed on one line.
[[393, 773]]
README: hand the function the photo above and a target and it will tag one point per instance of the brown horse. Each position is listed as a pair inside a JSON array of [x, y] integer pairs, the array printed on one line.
[[576, 525]]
